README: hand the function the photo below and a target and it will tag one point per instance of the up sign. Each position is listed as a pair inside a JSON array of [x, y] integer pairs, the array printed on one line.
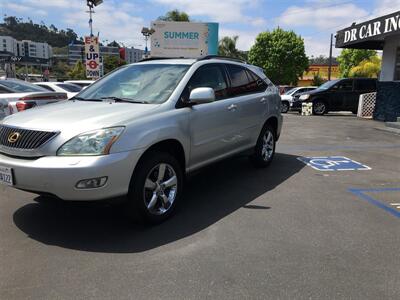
[[92, 57]]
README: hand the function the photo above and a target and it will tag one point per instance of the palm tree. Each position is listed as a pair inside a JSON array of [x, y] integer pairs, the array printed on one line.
[[175, 16], [227, 47]]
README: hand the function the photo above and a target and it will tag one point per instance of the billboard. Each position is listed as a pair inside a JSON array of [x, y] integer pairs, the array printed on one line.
[[92, 55], [184, 39]]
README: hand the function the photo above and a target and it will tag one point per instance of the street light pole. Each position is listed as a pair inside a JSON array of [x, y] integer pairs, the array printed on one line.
[[330, 59], [147, 33], [91, 4]]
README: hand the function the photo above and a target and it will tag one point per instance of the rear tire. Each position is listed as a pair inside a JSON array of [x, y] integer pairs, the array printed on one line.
[[319, 108], [264, 151], [155, 189]]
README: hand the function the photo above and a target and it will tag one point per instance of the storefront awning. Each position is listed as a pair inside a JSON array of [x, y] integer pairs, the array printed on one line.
[[370, 34]]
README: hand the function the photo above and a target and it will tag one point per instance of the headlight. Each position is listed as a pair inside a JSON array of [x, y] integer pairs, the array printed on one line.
[[97, 142], [304, 97]]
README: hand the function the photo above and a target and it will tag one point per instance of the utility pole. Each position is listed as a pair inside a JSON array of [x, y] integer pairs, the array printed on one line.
[[330, 59]]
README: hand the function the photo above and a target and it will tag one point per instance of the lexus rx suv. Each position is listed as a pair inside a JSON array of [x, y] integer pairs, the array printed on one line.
[[136, 132]]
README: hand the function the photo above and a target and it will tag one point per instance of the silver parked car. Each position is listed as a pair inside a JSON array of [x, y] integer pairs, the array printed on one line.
[[139, 130]]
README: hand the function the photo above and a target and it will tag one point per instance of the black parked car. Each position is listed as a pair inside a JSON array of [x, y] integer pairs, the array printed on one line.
[[336, 95]]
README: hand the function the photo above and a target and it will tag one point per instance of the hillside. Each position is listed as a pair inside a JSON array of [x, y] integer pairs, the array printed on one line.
[[21, 30]]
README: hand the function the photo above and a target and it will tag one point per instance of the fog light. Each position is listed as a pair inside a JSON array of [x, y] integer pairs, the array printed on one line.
[[92, 183]]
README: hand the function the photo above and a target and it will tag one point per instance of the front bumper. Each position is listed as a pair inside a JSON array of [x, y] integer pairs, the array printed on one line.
[[59, 175], [296, 105]]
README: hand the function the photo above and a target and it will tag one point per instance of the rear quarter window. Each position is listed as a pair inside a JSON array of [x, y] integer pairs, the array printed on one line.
[[365, 85]]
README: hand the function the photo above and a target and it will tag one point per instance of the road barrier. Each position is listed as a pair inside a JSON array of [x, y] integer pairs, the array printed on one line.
[[306, 109], [366, 105]]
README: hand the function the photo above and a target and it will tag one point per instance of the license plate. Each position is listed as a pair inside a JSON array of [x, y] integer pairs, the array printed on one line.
[[6, 176]]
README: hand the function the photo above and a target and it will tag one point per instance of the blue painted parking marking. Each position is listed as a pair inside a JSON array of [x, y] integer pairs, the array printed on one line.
[[333, 163], [361, 193]]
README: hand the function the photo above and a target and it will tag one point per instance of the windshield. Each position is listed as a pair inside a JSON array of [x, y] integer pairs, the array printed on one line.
[[328, 85], [22, 86], [69, 87], [149, 83]]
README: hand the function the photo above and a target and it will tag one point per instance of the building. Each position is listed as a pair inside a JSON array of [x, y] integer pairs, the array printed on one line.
[[133, 55], [8, 45], [322, 70], [26, 52], [382, 33], [76, 52]]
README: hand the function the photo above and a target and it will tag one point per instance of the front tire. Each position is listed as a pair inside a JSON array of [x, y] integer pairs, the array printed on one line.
[[285, 107], [319, 108], [156, 188], [264, 151]]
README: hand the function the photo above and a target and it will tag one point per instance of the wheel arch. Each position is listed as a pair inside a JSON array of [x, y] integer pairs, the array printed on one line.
[[273, 122], [170, 146]]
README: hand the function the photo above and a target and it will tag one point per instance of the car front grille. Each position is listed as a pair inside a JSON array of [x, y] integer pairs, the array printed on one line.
[[27, 139]]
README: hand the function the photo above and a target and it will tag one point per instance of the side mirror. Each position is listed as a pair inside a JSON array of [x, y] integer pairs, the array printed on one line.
[[202, 95]]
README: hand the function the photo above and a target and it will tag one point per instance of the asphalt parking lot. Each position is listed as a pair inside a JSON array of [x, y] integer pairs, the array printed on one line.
[[286, 232]]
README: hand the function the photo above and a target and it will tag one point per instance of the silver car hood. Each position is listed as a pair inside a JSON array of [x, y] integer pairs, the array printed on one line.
[[78, 116]]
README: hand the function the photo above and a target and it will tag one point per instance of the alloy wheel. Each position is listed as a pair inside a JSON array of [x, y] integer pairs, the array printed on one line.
[[268, 146], [319, 108], [160, 189]]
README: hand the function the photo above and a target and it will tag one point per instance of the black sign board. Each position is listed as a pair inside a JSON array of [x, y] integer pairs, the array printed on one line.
[[369, 35]]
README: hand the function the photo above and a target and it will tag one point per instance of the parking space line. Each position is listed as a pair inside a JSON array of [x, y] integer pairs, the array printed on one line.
[[361, 194]]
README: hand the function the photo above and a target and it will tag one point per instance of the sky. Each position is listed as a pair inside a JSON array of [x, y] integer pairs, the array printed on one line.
[[122, 20]]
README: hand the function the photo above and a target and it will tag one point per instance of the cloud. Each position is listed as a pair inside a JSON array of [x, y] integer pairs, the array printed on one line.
[[56, 3], [224, 11], [385, 7], [322, 17], [319, 46], [113, 21], [20, 8]]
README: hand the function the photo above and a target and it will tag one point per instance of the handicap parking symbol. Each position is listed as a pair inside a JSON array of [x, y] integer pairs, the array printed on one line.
[[333, 163]]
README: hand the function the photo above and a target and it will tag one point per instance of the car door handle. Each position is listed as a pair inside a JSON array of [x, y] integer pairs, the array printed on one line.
[[232, 107], [263, 100]]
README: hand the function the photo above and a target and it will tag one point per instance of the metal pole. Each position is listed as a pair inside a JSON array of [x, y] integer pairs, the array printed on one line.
[[330, 59], [90, 21]]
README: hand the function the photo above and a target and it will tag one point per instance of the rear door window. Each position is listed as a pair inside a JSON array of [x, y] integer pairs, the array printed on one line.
[[240, 83]]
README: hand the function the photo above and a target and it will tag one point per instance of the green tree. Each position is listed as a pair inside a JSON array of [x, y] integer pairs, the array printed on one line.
[[350, 58], [60, 70], [78, 71], [111, 62], [175, 16], [367, 68], [281, 54], [317, 80], [227, 47]]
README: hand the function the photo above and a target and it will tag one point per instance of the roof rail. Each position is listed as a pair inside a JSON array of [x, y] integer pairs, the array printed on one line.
[[158, 58], [222, 57]]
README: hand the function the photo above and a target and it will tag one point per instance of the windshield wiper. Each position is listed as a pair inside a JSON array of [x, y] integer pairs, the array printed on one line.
[[83, 99], [118, 99]]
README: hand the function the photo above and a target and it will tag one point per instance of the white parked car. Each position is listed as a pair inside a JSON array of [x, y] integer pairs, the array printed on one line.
[[287, 98], [82, 83], [63, 87], [17, 95]]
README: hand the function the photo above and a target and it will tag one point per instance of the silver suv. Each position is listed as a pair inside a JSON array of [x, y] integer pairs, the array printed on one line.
[[136, 133]]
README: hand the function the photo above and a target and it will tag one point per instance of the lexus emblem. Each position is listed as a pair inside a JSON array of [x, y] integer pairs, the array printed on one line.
[[14, 137]]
